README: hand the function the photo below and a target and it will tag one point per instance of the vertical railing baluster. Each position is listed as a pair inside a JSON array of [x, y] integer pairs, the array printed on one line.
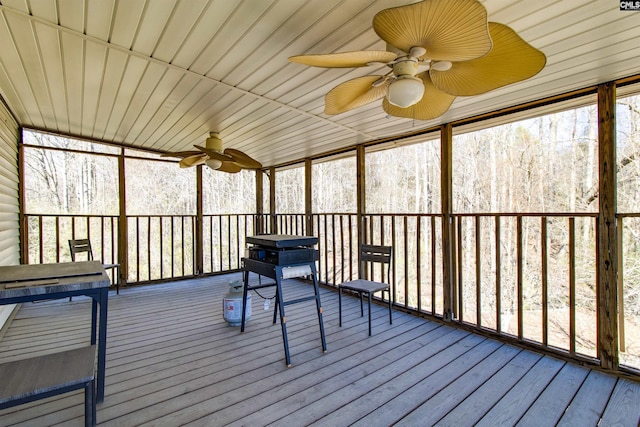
[[406, 263], [173, 255], [161, 243], [572, 285], [478, 271], [149, 247], [333, 244], [621, 309], [498, 274], [342, 248], [520, 273], [221, 258], [457, 227], [229, 241], [418, 261], [326, 250], [433, 264], [545, 280], [114, 257], [57, 239], [137, 248], [394, 270]]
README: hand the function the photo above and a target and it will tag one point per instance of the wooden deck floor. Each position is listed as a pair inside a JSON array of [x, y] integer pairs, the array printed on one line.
[[172, 360]]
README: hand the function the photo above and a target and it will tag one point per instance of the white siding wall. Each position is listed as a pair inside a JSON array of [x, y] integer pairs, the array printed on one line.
[[9, 207]]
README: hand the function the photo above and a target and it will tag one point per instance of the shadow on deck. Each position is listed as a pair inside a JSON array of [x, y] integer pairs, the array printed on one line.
[[172, 360]]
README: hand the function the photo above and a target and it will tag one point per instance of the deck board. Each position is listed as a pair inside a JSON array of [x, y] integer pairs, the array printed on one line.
[[172, 360]]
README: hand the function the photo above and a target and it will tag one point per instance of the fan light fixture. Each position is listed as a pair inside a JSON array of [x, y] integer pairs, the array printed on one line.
[[405, 91], [212, 155], [437, 50], [213, 163]]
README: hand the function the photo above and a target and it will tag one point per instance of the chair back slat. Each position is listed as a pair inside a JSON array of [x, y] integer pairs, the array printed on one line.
[[77, 246], [376, 254]]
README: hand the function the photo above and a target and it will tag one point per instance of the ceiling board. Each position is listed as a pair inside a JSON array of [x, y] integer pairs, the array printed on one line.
[[162, 74]]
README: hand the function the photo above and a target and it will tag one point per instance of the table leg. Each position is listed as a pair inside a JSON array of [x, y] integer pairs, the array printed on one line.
[[94, 320], [319, 307], [283, 317], [245, 289], [102, 343]]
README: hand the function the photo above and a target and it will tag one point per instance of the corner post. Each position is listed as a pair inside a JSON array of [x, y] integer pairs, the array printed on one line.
[[448, 238], [607, 249]]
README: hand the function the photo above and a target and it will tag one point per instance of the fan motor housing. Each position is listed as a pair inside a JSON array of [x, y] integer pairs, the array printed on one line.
[[407, 67]]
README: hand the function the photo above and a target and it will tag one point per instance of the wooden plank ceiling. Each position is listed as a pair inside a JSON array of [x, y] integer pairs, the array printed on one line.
[[161, 74]]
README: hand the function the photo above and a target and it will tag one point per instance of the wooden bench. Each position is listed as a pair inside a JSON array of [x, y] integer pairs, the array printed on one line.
[[39, 377]]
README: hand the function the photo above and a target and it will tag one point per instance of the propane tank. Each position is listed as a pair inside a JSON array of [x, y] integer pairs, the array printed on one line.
[[232, 304]]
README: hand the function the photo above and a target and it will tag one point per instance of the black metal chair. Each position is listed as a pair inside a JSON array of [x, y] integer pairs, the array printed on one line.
[[370, 254], [77, 246]]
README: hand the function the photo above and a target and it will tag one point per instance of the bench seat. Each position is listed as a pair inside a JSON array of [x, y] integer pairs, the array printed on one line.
[[39, 377]]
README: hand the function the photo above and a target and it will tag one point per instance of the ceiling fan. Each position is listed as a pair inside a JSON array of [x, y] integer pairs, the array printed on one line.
[[437, 50], [212, 155]]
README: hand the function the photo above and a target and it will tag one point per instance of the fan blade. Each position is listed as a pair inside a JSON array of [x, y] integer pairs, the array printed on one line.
[[451, 30], [242, 159], [511, 60], [360, 58], [353, 94], [181, 154], [194, 160], [214, 154], [229, 167], [434, 103]]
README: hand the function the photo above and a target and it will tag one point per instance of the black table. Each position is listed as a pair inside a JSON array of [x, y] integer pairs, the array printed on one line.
[[279, 273], [34, 282]]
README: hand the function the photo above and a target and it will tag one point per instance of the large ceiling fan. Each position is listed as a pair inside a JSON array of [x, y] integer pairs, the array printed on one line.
[[212, 155], [437, 50]]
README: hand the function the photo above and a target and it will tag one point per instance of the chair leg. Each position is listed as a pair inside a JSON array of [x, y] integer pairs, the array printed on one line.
[[339, 306], [369, 300], [390, 316], [90, 404], [361, 309]]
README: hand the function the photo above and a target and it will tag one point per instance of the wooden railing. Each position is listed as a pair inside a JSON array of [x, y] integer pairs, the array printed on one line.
[[528, 277], [46, 237]]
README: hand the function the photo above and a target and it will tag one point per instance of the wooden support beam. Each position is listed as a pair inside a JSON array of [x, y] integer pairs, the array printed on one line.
[[272, 199], [23, 226], [360, 195], [258, 225], [123, 229], [448, 229], [199, 261], [607, 249], [308, 198]]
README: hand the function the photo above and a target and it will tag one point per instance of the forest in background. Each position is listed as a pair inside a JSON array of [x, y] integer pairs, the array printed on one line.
[[539, 165]]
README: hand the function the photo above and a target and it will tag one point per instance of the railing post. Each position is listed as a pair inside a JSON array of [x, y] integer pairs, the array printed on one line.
[[607, 248], [448, 229]]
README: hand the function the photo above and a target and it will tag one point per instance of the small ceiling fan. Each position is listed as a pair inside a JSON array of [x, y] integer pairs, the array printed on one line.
[[212, 155], [437, 50]]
